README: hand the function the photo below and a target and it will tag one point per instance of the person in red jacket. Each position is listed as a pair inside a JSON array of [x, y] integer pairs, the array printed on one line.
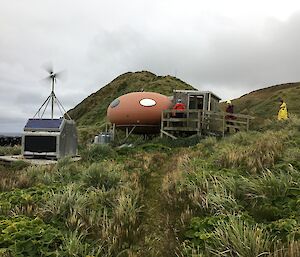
[[179, 106], [178, 112]]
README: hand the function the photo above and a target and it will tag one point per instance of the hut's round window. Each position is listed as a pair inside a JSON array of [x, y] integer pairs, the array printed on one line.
[[114, 103], [147, 102]]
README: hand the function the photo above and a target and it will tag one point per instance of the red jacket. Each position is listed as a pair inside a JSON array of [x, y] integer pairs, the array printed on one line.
[[179, 106]]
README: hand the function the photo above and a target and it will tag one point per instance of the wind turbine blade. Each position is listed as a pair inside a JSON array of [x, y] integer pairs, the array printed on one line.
[[61, 75], [48, 67]]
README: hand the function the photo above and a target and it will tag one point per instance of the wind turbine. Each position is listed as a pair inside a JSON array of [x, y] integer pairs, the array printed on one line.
[[52, 77]]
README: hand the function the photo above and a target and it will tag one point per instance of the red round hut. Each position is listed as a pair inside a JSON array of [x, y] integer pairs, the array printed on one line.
[[140, 109]]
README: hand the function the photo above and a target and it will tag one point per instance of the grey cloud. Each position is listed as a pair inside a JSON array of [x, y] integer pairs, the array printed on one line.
[[96, 42]]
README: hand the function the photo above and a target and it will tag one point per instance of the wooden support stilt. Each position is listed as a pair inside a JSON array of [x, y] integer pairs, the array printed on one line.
[[162, 125], [113, 131], [168, 134]]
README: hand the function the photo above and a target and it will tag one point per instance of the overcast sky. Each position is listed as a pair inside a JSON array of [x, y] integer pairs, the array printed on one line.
[[229, 47]]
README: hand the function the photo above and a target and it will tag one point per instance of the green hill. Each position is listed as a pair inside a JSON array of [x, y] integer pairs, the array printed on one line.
[[90, 114], [92, 110], [263, 103]]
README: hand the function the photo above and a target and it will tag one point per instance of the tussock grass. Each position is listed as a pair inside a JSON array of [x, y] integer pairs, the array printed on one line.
[[271, 185], [290, 249], [101, 175], [98, 209], [237, 197], [10, 150], [255, 157], [96, 153], [74, 244], [238, 238]]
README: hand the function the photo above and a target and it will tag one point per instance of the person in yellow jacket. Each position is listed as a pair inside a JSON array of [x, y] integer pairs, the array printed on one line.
[[282, 113]]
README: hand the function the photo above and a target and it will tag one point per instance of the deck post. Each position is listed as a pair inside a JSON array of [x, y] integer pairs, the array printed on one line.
[[162, 124], [199, 122], [113, 131], [168, 118]]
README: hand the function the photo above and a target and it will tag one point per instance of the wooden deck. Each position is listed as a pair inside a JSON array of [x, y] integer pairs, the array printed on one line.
[[201, 122]]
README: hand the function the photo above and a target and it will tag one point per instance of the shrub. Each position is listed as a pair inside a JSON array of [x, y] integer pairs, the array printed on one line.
[[286, 230], [22, 236], [200, 230], [99, 175], [206, 147], [68, 172], [23, 201], [19, 165], [97, 153], [39, 175], [154, 147], [10, 150]]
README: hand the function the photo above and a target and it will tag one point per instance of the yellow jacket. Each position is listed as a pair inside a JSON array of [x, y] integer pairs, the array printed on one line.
[[282, 113]]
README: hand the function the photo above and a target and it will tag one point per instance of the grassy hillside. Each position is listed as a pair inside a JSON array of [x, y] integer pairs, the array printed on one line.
[[237, 196], [264, 103], [191, 197], [90, 114], [92, 110]]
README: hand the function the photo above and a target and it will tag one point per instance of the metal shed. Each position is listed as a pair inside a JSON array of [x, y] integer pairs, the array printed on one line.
[[49, 138], [197, 100]]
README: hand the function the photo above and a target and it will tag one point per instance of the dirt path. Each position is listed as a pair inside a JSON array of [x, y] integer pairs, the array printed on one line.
[[158, 235]]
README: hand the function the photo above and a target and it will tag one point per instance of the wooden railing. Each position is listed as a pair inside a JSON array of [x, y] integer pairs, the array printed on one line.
[[199, 122]]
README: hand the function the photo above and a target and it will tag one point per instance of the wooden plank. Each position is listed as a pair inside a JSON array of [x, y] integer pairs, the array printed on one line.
[[211, 113], [180, 111], [162, 124], [180, 129], [238, 122], [181, 119], [233, 114], [167, 134], [199, 123], [232, 126], [113, 131]]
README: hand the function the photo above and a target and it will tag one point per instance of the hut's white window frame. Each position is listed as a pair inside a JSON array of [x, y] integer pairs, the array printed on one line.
[[147, 102]]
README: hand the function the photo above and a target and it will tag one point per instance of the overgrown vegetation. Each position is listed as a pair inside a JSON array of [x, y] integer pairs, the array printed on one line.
[[237, 196], [10, 150], [242, 193]]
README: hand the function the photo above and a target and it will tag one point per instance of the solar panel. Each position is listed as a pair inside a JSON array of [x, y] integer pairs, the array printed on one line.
[[43, 124]]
